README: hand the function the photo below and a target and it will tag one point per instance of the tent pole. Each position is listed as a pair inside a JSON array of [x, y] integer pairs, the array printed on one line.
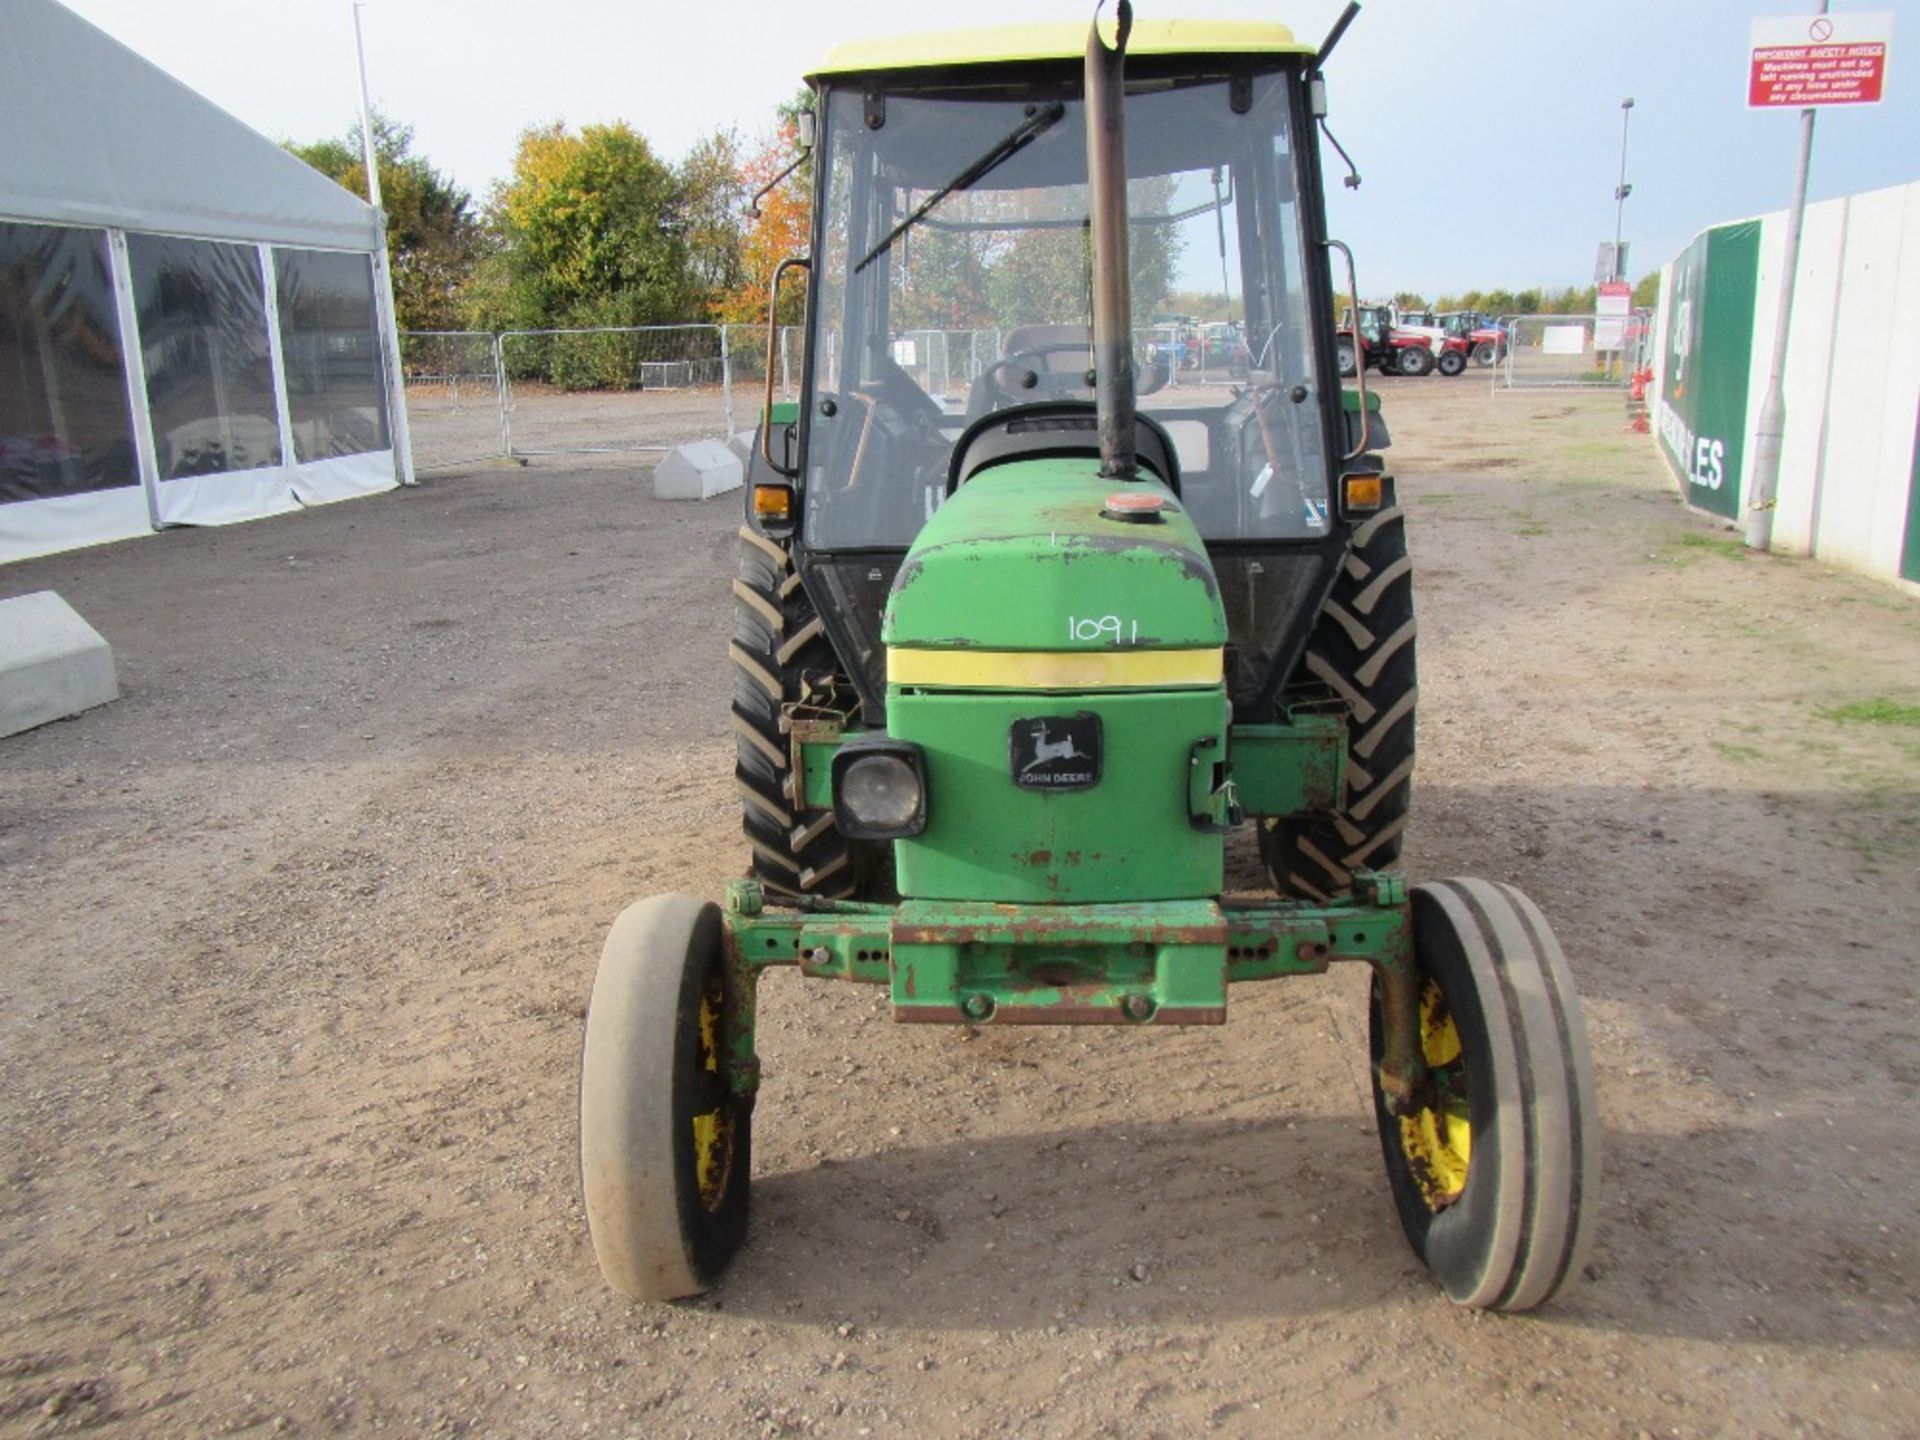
[[402, 434], [134, 359], [270, 274]]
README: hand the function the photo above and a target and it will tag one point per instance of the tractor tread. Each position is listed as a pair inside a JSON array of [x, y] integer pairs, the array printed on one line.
[[1363, 535], [768, 611], [1356, 629], [779, 649], [1362, 649], [1369, 673]]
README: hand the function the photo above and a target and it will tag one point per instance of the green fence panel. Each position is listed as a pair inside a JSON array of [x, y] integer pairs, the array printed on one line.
[[1703, 398]]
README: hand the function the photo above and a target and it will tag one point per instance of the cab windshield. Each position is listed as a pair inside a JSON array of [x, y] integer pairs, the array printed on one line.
[[984, 300]]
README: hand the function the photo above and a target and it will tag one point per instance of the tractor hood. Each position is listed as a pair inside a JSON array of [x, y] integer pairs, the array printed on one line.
[[1023, 557]]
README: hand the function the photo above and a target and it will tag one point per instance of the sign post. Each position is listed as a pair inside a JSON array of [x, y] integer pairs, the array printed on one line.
[[1805, 62], [1613, 305]]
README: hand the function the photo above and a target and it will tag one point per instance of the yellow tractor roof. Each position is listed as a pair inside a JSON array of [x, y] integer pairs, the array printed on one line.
[[1003, 44]]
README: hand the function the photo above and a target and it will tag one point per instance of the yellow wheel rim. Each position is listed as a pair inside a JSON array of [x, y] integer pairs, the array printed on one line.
[[713, 1130], [1438, 1138]]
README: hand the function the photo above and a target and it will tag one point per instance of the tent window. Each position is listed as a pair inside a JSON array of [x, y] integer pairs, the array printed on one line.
[[203, 332], [64, 423], [334, 375]]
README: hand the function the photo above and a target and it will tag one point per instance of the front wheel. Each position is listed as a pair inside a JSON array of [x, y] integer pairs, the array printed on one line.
[[1496, 1173], [666, 1150], [1452, 362], [1483, 354], [1347, 356], [1415, 360]]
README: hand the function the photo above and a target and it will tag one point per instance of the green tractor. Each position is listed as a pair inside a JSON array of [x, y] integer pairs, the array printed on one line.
[[1011, 663]]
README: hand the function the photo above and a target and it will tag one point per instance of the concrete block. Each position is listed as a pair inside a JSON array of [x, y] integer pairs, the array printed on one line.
[[698, 471], [742, 445], [52, 663]]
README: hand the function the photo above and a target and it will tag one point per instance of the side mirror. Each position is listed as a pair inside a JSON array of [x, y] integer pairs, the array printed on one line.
[[1360, 442], [806, 129], [785, 465]]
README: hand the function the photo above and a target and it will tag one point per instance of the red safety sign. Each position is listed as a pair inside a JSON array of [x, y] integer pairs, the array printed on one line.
[[1800, 61]]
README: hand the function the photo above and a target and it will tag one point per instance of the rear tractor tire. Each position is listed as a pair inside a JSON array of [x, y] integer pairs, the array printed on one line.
[[781, 656], [666, 1151], [1495, 1174], [1362, 649]]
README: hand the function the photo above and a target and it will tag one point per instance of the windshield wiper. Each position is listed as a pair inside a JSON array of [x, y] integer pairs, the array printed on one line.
[[1017, 140]]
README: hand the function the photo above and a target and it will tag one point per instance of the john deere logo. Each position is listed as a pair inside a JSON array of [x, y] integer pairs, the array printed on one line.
[[1055, 752]]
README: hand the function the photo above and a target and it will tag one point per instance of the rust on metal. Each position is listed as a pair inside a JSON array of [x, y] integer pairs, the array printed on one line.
[[1062, 1014], [1026, 928], [1403, 1060]]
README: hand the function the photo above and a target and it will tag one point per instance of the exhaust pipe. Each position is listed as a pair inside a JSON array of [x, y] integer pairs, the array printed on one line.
[[1107, 203]]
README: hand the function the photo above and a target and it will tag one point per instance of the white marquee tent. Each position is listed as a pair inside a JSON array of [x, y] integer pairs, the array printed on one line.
[[195, 326]]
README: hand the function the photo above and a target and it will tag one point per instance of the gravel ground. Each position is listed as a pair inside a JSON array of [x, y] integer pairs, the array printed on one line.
[[297, 936]]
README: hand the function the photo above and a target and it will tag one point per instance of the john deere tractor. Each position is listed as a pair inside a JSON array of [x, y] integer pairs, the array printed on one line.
[[1015, 657]]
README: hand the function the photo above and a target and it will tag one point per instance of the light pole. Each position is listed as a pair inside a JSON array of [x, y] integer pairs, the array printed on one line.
[[1622, 190]]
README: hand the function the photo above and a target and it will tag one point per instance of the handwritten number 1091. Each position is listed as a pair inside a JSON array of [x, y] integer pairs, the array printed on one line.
[[1104, 627]]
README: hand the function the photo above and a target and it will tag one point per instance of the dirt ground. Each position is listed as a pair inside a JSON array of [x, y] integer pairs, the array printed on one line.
[[296, 937]]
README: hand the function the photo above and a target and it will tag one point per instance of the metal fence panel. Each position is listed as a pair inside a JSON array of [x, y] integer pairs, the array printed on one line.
[[747, 344], [455, 396], [617, 390], [1564, 352], [474, 396]]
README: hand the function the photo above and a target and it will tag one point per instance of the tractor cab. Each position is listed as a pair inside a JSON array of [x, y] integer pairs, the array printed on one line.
[[950, 311]]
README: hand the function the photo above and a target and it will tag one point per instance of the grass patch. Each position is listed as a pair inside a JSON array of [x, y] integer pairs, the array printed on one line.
[[1739, 754], [1531, 530], [1732, 549], [1877, 711]]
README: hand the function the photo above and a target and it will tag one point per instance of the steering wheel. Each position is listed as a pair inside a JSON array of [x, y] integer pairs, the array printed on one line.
[[1021, 379], [908, 400]]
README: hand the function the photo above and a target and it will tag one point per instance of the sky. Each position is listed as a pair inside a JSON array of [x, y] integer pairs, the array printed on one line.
[[1487, 132]]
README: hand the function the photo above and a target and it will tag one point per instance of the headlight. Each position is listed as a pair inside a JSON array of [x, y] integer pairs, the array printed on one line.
[[879, 789]]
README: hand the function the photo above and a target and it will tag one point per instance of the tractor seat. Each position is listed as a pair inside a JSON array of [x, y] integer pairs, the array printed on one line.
[[1062, 372], [1061, 362]]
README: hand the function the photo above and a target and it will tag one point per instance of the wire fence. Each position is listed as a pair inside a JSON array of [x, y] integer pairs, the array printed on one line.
[[1562, 352], [474, 396], [747, 345], [611, 391], [456, 397]]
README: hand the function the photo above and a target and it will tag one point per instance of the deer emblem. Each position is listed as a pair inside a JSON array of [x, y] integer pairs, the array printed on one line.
[[1046, 751]]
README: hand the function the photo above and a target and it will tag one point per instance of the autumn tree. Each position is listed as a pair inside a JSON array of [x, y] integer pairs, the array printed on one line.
[[781, 228], [714, 196], [1042, 277], [593, 231], [433, 238]]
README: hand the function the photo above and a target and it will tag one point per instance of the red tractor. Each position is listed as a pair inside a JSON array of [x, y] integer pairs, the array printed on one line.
[[1377, 342], [1485, 340]]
